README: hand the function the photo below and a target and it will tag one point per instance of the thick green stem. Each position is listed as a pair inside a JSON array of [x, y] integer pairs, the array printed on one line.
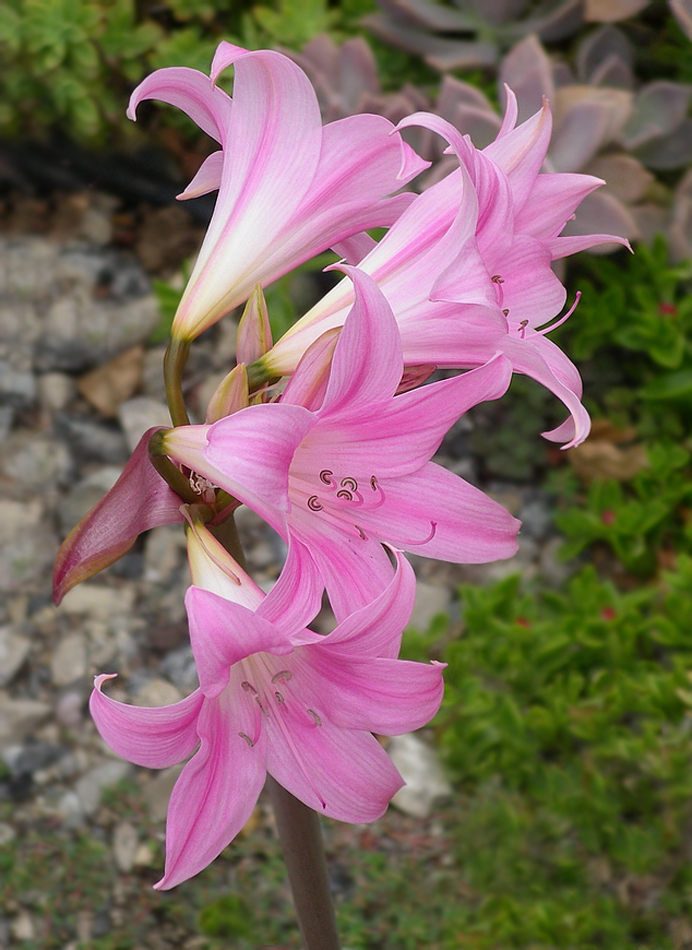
[[301, 844], [173, 365]]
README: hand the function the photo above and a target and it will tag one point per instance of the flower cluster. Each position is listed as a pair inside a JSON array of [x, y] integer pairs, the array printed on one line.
[[338, 457]]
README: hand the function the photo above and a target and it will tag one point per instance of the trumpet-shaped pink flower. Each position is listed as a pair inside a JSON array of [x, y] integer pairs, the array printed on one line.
[[277, 698], [467, 267], [288, 188], [342, 464]]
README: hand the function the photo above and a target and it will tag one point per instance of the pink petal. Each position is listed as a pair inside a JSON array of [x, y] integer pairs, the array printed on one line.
[[139, 500], [208, 177], [553, 200], [223, 633], [340, 773], [375, 694], [308, 384], [153, 737], [404, 432], [434, 513], [247, 454], [353, 249], [367, 363], [217, 790], [376, 629], [355, 570], [254, 335], [531, 291], [536, 357], [521, 153], [296, 598], [187, 89]]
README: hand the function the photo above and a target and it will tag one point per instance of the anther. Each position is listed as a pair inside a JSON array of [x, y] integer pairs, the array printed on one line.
[[373, 482], [361, 532], [247, 739], [259, 703], [522, 328], [344, 493], [279, 697], [496, 279], [349, 483], [318, 721], [313, 504], [284, 675], [248, 687], [325, 476], [506, 312]]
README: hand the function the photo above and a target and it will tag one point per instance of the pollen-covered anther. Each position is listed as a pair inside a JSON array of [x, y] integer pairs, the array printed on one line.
[[349, 483], [344, 494], [282, 676], [247, 739], [279, 697], [318, 721], [522, 328], [248, 687], [325, 476], [313, 503]]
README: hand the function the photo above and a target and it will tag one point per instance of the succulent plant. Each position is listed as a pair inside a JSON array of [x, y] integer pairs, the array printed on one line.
[[471, 33], [604, 125]]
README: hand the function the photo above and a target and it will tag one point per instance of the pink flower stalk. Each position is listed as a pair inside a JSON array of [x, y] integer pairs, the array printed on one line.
[[288, 188], [342, 464], [467, 267], [139, 500], [275, 698]]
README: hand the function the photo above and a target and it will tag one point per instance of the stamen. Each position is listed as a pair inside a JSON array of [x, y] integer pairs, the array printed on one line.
[[522, 328], [506, 312], [313, 504], [279, 697], [318, 721], [361, 532], [259, 703], [373, 482], [325, 476], [498, 281], [248, 687], [349, 483], [547, 329], [433, 531], [282, 676], [344, 493], [247, 739]]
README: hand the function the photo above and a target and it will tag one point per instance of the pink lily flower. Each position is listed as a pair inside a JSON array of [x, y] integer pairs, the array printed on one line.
[[288, 188], [275, 698], [139, 500], [342, 464], [467, 267]]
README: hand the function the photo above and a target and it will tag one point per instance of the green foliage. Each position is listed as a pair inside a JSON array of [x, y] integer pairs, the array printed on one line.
[[75, 62], [566, 720], [640, 520], [227, 916], [640, 304]]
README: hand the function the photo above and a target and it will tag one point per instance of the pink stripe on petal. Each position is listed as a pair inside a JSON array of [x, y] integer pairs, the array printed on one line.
[[217, 790], [153, 737], [208, 177], [351, 777], [190, 90]]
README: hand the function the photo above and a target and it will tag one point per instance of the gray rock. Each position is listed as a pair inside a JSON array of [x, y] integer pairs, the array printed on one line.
[[19, 717], [69, 660], [421, 770], [7, 414], [139, 414], [125, 844], [157, 692], [536, 517], [17, 387], [87, 493], [179, 667], [55, 390], [92, 440], [164, 552], [157, 792], [35, 463], [430, 601], [14, 649], [27, 544], [32, 757], [68, 710], [91, 785], [98, 601]]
